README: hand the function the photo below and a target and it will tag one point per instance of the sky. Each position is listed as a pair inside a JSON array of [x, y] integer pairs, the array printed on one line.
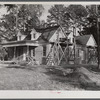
[[45, 13], [2, 11]]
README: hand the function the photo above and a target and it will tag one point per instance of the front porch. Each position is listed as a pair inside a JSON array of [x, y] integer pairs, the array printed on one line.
[[25, 51], [17, 50], [20, 52]]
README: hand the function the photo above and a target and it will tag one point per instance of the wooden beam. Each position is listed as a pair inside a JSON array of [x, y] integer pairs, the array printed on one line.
[[63, 54]]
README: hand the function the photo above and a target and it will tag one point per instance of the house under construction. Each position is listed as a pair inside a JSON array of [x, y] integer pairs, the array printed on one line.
[[52, 46]]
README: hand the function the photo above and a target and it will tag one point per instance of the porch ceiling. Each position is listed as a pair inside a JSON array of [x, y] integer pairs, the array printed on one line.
[[22, 43]]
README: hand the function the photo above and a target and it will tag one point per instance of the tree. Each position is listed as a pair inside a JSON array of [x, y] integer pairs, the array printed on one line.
[[67, 16], [90, 25], [77, 11], [19, 17], [58, 15]]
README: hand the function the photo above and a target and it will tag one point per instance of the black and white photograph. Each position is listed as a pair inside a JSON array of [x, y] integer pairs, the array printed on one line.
[[50, 46]]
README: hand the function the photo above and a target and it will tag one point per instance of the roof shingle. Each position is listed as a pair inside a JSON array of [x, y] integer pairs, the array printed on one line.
[[82, 40]]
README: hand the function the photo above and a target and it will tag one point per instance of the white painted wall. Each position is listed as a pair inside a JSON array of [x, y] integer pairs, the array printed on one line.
[[48, 49], [20, 35], [54, 37], [36, 34], [70, 36], [91, 41]]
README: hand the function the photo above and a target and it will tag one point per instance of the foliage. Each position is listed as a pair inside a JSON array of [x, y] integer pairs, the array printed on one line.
[[19, 17], [67, 16], [90, 25], [58, 15]]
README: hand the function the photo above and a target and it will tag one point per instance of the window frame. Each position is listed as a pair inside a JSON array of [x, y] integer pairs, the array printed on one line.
[[44, 51]]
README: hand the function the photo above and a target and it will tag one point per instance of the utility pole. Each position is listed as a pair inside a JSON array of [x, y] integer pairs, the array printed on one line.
[[98, 35], [74, 42]]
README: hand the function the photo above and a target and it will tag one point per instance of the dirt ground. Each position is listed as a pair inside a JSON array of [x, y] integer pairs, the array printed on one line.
[[47, 78]]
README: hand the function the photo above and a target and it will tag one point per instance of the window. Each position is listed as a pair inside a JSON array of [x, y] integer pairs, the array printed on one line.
[[44, 50], [33, 51]]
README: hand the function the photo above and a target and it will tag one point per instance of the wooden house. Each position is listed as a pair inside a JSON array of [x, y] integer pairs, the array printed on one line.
[[38, 44], [86, 49], [35, 44]]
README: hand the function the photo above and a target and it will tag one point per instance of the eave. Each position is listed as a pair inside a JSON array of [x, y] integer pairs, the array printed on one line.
[[23, 43]]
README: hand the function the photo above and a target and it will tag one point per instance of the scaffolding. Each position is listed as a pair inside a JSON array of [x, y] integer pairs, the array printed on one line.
[[60, 51], [64, 52]]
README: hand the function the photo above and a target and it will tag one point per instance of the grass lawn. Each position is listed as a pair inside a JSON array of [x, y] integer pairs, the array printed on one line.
[[34, 78], [41, 78]]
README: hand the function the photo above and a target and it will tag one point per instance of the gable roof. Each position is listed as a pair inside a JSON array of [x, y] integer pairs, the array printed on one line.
[[82, 40], [47, 33]]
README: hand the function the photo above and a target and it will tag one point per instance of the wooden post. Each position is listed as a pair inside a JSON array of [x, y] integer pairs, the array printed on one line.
[[28, 50], [74, 34], [98, 33], [58, 48], [14, 52]]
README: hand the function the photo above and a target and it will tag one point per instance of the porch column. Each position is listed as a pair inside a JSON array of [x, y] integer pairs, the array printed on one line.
[[14, 52], [27, 50]]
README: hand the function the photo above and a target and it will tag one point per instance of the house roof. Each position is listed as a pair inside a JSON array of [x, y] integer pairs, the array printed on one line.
[[43, 39], [82, 40], [23, 43], [47, 32]]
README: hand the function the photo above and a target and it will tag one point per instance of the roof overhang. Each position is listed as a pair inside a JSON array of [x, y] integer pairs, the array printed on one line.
[[23, 43]]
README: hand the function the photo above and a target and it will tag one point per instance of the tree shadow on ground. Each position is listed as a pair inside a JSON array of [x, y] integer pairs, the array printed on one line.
[[75, 79], [26, 67], [59, 76]]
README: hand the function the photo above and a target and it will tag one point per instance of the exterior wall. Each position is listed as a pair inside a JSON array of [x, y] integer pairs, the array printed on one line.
[[39, 54], [21, 37], [81, 54], [86, 55], [91, 42], [76, 30], [10, 53], [33, 32], [48, 48], [54, 37], [70, 36]]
